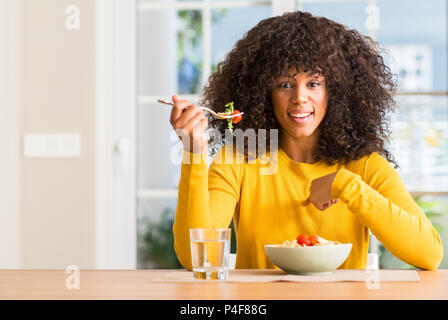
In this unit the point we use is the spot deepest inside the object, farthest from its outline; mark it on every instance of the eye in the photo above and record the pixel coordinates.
(314, 84)
(285, 85)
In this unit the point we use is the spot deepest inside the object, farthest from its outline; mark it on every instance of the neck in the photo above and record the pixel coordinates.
(299, 149)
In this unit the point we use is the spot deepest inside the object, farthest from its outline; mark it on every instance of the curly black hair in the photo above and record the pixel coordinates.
(360, 85)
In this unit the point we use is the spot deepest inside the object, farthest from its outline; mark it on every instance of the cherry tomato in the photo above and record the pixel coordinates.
(237, 119)
(313, 239)
(303, 240)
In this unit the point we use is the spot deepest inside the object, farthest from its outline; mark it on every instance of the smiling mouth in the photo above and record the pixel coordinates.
(300, 118)
(300, 115)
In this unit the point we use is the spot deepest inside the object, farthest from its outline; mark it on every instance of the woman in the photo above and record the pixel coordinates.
(327, 91)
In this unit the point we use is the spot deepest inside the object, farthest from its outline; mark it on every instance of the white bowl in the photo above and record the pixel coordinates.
(308, 260)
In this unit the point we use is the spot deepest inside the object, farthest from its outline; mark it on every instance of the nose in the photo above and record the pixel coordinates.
(303, 99)
(301, 95)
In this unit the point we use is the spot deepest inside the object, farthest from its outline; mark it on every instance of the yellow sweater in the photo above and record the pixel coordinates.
(268, 209)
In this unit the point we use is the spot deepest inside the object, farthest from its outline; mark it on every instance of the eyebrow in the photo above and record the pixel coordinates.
(309, 73)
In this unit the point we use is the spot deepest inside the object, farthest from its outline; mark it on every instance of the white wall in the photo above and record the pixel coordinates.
(57, 90)
(59, 211)
(9, 136)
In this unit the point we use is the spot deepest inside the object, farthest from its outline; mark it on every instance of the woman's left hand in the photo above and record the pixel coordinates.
(320, 192)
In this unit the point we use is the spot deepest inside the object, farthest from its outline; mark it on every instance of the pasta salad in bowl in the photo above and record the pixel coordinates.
(308, 255)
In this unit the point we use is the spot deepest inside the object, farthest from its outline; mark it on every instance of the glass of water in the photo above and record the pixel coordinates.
(210, 250)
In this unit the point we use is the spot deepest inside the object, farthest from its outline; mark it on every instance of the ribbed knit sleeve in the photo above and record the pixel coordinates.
(381, 202)
(206, 198)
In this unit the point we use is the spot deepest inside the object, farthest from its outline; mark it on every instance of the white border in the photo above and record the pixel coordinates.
(116, 217)
(10, 241)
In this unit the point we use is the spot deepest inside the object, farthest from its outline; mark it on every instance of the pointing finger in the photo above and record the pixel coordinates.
(306, 202)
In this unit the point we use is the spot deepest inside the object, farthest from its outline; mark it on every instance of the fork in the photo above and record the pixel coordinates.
(213, 113)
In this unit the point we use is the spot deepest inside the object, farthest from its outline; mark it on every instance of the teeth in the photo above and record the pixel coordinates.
(299, 115)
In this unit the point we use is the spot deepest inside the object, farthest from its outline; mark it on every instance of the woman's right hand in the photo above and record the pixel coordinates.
(190, 123)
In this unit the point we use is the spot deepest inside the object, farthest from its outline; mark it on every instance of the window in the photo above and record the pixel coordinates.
(180, 42)
(415, 48)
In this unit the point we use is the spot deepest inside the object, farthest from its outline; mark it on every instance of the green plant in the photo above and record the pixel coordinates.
(189, 39)
(233, 239)
(156, 247)
(430, 210)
